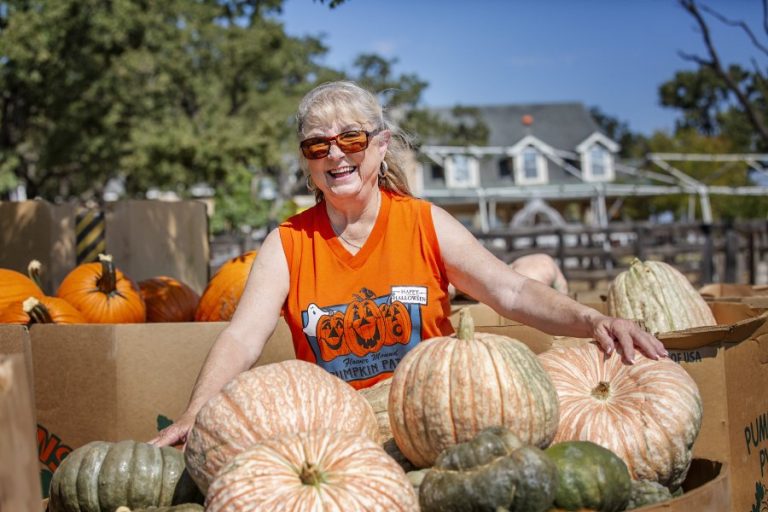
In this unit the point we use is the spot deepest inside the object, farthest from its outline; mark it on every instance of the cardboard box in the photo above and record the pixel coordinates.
(18, 471)
(38, 230)
(729, 363)
(717, 290)
(14, 339)
(145, 238)
(706, 489)
(119, 381)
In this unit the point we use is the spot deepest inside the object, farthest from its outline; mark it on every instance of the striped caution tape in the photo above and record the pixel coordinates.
(89, 235)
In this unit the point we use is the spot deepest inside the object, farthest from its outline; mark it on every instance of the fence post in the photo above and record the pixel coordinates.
(706, 263)
(731, 253)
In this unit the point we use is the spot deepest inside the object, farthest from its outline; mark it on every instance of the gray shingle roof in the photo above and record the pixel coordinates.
(560, 125)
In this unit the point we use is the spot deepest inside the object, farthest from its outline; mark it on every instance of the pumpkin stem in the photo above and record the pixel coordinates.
(107, 283)
(466, 329)
(38, 313)
(602, 391)
(310, 474)
(33, 271)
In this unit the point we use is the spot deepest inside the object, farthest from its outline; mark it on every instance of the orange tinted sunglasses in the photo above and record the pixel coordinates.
(350, 141)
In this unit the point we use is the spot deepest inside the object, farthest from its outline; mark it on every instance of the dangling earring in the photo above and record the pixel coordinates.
(310, 185)
(383, 168)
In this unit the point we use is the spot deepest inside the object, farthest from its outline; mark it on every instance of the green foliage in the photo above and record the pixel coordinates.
(155, 94)
(706, 104)
(730, 174)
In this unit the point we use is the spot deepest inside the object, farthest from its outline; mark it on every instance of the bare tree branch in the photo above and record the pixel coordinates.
(714, 62)
(742, 25)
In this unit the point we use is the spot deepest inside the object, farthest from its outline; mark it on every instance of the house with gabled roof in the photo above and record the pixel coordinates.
(536, 154)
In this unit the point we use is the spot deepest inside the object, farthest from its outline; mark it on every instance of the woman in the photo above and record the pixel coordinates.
(363, 276)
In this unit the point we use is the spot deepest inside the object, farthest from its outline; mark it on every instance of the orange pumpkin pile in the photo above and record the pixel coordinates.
(97, 292)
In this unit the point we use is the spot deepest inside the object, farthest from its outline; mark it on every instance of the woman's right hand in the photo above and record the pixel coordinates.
(175, 434)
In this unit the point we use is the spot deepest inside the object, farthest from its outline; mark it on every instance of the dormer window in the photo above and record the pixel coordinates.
(597, 155)
(530, 167)
(462, 171)
(597, 164)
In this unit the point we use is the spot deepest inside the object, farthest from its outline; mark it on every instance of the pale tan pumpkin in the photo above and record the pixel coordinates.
(447, 389)
(271, 400)
(648, 413)
(312, 471)
(660, 296)
(378, 396)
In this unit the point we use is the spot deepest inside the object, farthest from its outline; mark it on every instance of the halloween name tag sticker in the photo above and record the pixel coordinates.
(409, 294)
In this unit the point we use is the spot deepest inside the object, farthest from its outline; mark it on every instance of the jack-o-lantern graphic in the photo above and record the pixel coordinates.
(363, 325)
(330, 336)
(397, 323)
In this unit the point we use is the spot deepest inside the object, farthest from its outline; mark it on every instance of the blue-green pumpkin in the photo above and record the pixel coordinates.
(589, 477)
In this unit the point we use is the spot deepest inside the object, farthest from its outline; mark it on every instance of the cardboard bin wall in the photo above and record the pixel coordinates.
(119, 381)
(729, 363)
(145, 238)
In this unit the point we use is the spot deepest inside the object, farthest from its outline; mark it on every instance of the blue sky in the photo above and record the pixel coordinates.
(607, 53)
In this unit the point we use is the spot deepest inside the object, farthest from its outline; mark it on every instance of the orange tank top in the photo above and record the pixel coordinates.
(358, 315)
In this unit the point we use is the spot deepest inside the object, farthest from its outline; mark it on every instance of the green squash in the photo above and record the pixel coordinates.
(102, 476)
(589, 477)
(494, 472)
(646, 492)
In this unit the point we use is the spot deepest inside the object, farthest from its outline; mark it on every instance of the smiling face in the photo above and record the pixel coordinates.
(334, 108)
(341, 174)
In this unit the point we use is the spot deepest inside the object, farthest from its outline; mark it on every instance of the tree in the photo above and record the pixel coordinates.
(722, 98)
(151, 94)
(632, 145)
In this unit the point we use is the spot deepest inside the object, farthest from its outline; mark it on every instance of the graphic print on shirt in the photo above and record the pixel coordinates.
(367, 336)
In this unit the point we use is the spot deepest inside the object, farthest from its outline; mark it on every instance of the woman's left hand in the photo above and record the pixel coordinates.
(625, 335)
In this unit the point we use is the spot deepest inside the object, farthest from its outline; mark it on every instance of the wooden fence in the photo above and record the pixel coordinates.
(591, 256)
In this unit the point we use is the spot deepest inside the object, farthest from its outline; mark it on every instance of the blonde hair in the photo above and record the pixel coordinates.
(332, 100)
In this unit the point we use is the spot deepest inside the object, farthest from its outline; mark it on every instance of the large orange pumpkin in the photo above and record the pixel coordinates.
(16, 287)
(46, 310)
(268, 401)
(220, 297)
(102, 293)
(449, 388)
(364, 325)
(168, 300)
(648, 413)
(319, 470)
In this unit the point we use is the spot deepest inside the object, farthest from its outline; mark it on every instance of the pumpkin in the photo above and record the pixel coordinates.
(644, 492)
(168, 300)
(46, 310)
(102, 476)
(185, 507)
(267, 401)
(448, 388)
(660, 296)
(102, 293)
(16, 287)
(589, 477)
(363, 325)
(493, 471)
(317, 470)
(330, 336)
(397, 323)
(648, 413)
(378, 396)
(221, 295)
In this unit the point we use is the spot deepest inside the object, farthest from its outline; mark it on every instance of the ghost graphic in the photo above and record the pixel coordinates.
(313, 315)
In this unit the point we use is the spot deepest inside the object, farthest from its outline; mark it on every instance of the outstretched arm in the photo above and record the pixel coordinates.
(474, 269)
(239, 345)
